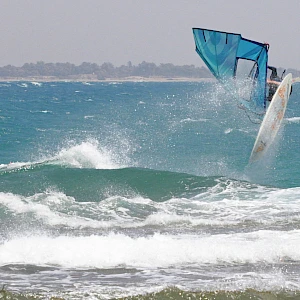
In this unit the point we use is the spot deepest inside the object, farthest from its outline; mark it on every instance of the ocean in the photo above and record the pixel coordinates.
(144, 190)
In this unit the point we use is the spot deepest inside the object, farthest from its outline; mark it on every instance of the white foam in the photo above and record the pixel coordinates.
(189, 120)
(23, 85)
(115, 250)
(228, 130)
(54, 208)
(88, 155)
(221, 206)
(292, 120)
(22, 205)
(36, 83)
(15, 165)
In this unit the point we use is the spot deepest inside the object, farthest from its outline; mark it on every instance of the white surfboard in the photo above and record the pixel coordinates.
(272, 120)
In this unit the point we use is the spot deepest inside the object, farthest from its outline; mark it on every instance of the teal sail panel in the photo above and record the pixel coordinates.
(222, 52)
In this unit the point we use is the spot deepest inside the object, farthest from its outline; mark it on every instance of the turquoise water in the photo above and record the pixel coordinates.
(110, 190)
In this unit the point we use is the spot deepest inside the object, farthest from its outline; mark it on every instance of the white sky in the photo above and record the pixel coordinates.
(158, 31)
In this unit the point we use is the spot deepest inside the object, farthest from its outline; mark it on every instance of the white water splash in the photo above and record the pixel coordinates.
(158, 250)
(88, 155)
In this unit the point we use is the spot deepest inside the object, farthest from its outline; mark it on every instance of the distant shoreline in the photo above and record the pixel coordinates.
(91, 79)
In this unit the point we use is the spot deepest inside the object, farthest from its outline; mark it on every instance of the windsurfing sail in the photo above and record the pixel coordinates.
(222, 52)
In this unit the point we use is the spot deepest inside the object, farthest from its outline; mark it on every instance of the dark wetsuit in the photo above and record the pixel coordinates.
(273, 86)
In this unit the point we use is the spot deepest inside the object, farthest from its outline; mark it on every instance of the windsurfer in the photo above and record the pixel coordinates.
(273, 82)
(274, 76)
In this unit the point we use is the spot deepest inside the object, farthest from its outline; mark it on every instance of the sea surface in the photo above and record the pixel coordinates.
(144, 190)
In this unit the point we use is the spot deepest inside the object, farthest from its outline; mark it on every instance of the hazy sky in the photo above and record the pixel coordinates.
(158, 31)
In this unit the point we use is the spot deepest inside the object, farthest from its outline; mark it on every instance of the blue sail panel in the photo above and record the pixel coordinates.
(218, 50)
(222, 51)
(258, 53)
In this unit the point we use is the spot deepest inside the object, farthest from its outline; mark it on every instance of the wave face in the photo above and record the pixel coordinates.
(143, 190)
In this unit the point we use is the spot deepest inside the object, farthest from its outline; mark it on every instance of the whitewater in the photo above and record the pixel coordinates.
(110, 190)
